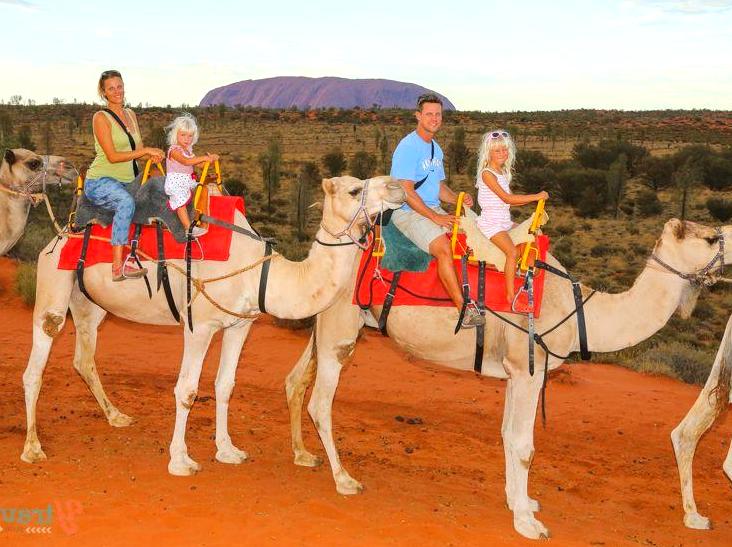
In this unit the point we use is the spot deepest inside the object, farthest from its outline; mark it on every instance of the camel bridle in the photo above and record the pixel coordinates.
(40, 174)
(362, 241)
(705, 277)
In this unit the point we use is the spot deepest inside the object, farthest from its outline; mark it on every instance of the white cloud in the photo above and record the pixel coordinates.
(688, 7)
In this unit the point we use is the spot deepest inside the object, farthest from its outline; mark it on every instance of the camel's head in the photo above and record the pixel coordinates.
(27, 172)
(695, 253)
(351, 204)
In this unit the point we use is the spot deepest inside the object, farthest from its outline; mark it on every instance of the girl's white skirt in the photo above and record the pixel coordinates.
(178, 187)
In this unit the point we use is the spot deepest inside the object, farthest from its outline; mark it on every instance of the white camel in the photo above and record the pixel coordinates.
(23, 173)
(713, 399)
(294, 290)
(614, 321)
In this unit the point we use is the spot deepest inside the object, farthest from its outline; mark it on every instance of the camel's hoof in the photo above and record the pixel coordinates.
(306, 459)
(33, 454)
(531, 528)
(231, 454)
(347, 485)
(184, 468)
(120, 420)
(697, 522)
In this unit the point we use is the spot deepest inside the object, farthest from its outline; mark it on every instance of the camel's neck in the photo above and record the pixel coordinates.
(302, 289)
(13, 217)
(617, 321)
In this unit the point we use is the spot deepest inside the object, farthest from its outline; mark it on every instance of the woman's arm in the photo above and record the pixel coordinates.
(178, 156)
(490, 180)
(103, 133)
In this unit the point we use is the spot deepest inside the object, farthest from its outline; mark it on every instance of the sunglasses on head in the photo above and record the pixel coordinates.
(111, 74)
(498, 135)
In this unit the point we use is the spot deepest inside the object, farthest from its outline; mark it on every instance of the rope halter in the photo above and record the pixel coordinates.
(361, 242)
(704, 277)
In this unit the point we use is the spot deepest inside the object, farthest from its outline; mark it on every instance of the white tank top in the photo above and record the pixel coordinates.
(493, 210)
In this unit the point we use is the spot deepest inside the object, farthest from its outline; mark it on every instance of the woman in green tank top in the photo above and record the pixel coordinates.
(114, 167)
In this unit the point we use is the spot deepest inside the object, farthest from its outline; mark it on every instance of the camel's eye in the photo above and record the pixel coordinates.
(34, 165)
(355, 192)
(712, 240)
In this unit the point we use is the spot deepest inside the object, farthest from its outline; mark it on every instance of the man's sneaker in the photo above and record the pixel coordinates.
(472, 318)
(127, 271)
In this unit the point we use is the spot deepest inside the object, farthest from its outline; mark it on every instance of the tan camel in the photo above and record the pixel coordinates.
(294, 290)
(23, 173)
(614, 321)
(713, 399)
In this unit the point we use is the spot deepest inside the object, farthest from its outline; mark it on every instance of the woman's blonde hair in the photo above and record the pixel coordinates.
(106, 75)
(186, 122)
(490, 141)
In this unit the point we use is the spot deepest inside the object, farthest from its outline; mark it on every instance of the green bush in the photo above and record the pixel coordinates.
(647, 203)
(563, 252)
(678, 360)
(719, 208)
(601, 250)
(25, 282)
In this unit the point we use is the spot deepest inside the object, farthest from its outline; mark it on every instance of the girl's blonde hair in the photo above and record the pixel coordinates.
(186, 122)
(490, 141)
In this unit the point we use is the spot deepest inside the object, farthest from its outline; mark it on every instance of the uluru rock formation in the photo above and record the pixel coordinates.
(302, 92)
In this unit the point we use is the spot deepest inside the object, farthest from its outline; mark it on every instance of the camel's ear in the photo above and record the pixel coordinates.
(677, 227)
(9, 156)
(329, 186)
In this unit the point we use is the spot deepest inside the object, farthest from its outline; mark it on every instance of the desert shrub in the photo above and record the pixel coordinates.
(25, 282)
(36, 237)
(564, 253)
(530, 159)
(647, 203)
(678, 360)
(362, 165)
(719, 208)
(718, 173)
(564, 229)
(577, 185)
(533, 180)
(657, 173)
(703, 310)
(603, 154)
(601, 250)
(236, 187)
(334, 162)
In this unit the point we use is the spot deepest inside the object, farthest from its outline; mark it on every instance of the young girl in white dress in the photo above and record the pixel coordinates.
(495, 168)
(179, 181)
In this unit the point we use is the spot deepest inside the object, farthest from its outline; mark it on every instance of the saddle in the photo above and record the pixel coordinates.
(151, 203)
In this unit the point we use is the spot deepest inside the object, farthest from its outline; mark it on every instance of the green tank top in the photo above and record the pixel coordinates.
(101, 166)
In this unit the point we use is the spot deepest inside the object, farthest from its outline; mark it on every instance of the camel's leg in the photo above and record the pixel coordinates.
(336, 331)
(518, 443)
(87, 317)
(713, 398)
(53, 290)
(195, 346)
(231, 345)
(297, 383)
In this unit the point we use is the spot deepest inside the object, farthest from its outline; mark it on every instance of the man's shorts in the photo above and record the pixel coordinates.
(421, 230)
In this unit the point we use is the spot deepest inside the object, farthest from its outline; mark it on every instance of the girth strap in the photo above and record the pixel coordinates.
(466, 291)
(388, 301)
(133, 255)
(189, 302)
(229, 226)
(263, 277)
(163, 278)
(81, 261)
(529, 286)
(480, 329)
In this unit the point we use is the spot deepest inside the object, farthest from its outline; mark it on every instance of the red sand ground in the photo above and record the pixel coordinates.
(604, 469)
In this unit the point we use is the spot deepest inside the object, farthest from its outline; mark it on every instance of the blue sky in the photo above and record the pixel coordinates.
(489, 55)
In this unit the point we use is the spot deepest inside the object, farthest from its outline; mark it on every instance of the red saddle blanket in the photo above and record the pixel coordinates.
(214, 244)
(419, 288)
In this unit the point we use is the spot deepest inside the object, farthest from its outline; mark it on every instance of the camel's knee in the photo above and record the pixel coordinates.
(52, 323)
(186, 396)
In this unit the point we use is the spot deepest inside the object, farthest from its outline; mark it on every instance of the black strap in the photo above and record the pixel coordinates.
(466, 291)
(263, 277)
(189, 303)
(529, 286)
(229, 226)
(480, 329)
(133, 254)
(388, 301)
(135, 168)
(81, 261)
(163, 278)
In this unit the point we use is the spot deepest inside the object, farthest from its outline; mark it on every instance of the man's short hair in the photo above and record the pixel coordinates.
(427, 98)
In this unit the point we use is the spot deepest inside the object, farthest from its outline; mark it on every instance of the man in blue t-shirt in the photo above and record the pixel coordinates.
(417, 164)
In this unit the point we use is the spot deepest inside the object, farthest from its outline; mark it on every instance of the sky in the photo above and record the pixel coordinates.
(490, 55)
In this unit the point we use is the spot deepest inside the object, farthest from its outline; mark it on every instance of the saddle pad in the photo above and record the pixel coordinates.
(424, 286)
(214, 244)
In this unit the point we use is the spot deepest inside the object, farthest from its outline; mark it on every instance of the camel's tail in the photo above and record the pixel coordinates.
(720, 395)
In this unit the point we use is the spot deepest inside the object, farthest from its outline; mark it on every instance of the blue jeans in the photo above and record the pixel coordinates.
(110, 193)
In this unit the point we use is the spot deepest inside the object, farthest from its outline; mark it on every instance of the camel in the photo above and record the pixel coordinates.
(713, 399)
(295, 290)
(22, 173)
(614, 321)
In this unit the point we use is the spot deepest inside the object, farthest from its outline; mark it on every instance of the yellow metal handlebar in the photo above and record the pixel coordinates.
(530, 247)
(455, 226)
(146, 172)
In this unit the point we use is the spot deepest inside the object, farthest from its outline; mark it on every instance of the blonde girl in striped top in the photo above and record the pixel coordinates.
(495, 168)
